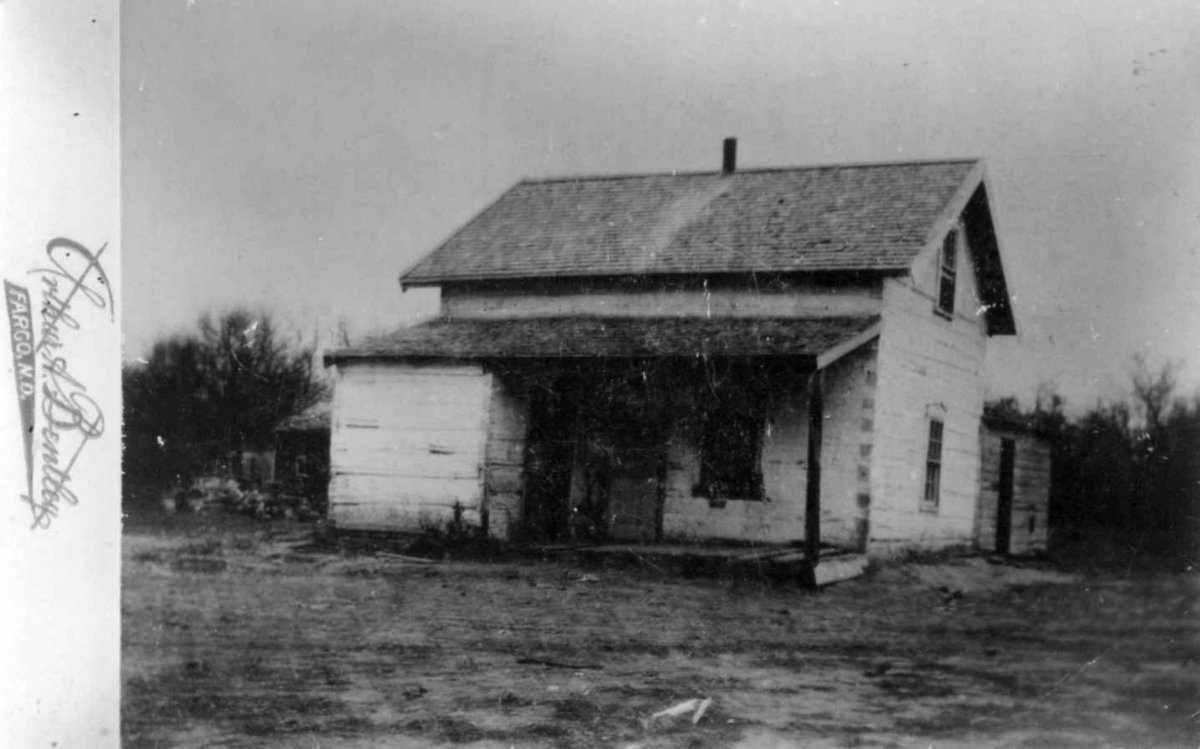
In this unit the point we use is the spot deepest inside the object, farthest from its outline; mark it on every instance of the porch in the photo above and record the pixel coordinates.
(614, 431)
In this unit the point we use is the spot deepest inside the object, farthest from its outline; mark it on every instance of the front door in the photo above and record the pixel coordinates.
(625, 451)
(1004, 504)
(634, 493)
(549, 454)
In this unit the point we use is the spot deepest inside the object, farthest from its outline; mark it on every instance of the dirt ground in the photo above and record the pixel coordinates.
(247, 635)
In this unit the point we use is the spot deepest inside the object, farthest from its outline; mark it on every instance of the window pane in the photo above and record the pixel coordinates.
(949, 251)
(933, 463)
(733, 420)
(933, 478)
(946, 294)
(935, 441)
(946, 277)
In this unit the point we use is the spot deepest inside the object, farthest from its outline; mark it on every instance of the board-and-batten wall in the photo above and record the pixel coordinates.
(930, 367)
(407, 445)
(1030, 526)
(504, 474)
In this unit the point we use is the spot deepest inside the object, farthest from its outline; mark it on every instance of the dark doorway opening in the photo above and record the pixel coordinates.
(549, 458)
(624, 444)
(1004, 504)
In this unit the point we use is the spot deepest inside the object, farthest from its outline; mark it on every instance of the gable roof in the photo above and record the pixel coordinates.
(861, 217)
(818, 340)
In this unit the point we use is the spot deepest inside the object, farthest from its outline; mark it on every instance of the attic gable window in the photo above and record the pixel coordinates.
(933, 466)
(947, 271)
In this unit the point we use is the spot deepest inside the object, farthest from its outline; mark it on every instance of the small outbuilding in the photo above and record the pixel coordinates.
(302, 456)
(1013, 516)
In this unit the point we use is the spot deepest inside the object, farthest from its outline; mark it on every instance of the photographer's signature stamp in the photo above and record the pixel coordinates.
(56, 411)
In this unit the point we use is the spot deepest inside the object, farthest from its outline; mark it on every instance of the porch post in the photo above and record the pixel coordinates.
(812, 504)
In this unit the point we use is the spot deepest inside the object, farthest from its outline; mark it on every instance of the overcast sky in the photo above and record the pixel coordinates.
(299, 155)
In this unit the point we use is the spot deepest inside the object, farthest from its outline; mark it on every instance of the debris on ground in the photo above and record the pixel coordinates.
(949, 595)
(403, 558)
(696, 706)
(559, 664)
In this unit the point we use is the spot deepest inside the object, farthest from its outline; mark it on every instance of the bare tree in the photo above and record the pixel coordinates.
(221, 390)
(1153, 392)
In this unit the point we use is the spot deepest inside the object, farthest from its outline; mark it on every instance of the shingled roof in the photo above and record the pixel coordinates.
(867, 217)
(631, 337)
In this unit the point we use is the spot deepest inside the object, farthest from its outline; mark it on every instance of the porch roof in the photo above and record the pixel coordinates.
(820, 340)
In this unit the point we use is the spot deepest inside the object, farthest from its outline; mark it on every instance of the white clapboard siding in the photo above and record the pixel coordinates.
(392, 516)
(354, 489)
(929, 366)
(407, 444)
(780, 516)
(849, 388)
(433, 444)
(799, 300)
(437, 416)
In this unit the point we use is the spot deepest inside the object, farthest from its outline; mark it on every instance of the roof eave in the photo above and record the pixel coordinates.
(404, 274)
(819, 166)
(898, 269)
(807, 361)
(993, 286)
(812, 342)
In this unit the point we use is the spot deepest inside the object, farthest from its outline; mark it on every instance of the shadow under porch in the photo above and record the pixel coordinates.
(679, 450)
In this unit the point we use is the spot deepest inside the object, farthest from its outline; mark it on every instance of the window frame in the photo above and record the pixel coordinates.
(947, 274)
(931, 497)
(723, 407)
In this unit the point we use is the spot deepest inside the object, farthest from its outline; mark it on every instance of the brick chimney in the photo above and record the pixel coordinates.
(729, 163)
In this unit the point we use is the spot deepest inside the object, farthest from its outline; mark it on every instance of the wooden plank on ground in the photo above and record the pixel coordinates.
(765, 553)
(837, 569)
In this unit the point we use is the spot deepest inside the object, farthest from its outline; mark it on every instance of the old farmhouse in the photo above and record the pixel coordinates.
(768, 355)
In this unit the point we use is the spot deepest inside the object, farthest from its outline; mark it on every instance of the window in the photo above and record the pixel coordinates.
(933, 464)
(947, 269)
(731, 444)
